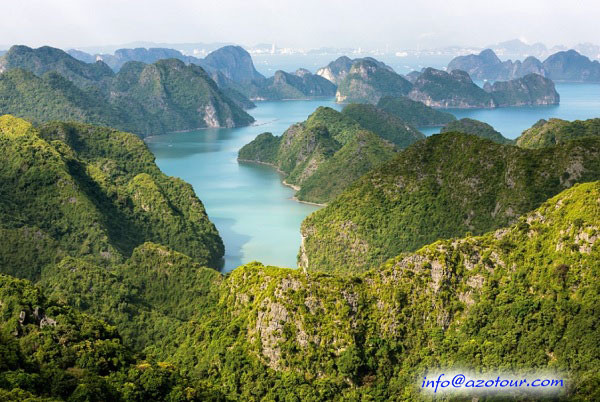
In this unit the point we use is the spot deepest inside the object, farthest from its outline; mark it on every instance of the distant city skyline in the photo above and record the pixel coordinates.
(307, 24)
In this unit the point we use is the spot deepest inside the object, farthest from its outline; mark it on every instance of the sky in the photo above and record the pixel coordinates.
(299, 23)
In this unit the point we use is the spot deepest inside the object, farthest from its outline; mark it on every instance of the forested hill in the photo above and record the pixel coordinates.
(445, 186)
(323, 155)
(48, 84)
(46, 59)
(414, 112)
(77, 190)
(531, 289)
(123, 308)
(80, 209)
(556, 131)
(476, 127)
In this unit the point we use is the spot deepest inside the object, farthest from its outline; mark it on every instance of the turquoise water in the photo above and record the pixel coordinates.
(577, 101)
(253, 211)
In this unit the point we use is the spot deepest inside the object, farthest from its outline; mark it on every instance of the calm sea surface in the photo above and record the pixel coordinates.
(254, 212)
(577, 101)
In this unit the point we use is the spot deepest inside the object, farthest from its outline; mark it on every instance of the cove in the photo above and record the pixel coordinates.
(254, 213)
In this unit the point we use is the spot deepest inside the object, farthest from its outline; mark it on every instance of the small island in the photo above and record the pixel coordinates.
(323, 155)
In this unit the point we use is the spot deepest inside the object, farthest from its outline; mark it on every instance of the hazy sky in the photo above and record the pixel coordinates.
(299, 23)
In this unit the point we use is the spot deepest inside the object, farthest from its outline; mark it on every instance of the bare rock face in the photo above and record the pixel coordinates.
(269, 325)
(337, 70)
(36, 318)
(210, 116)
(47, 321)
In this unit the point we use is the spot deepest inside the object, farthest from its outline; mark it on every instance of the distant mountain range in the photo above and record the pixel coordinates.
(367, 81)
(153, 90)
(518, 49)
(561, 66)
(140, 89)
(514, 48)
(197, 49)
(232, 68)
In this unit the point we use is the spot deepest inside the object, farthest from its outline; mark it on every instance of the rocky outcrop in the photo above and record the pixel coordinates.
(338, 69)
(569, 66)
(487, 66)
(298, 85)
(441, 89)
(531, 90)
(175, 95)
(572, 66)
(324, 154)
(147, 99)
(437, 88)
(47, 59)
(368, 81)
(234, 62)
(37, 318)
(412, 76)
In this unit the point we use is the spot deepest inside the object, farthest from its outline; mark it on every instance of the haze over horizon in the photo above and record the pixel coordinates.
(307, 24)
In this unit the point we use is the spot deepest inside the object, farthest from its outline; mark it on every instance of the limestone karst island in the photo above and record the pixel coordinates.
(290, 202)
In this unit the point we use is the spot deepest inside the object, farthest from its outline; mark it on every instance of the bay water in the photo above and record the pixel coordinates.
(255, 213)
(578, 101)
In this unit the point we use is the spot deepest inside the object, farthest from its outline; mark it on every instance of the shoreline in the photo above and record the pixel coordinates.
(285, 183)
(308, 202)
(293, 186)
